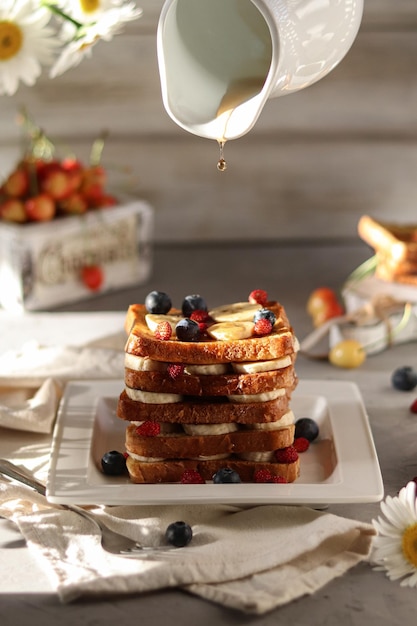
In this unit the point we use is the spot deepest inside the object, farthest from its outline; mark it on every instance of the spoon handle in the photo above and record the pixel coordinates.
(12, 471)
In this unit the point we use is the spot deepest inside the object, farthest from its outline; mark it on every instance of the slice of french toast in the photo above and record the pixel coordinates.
(280, 342)
(193, 446)
(203, 410)
(211, 385)
(172, 471)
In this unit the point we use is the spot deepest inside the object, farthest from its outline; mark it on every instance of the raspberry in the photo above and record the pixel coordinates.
(279, 479)
(258, 296)
(199, 315)
(301, 444)
(148, 429)
(163, 331)
(92, 276)
(175, 369)
(286, 455)
(263, 476)
(192, 477)
(413, 407)
(262, 327)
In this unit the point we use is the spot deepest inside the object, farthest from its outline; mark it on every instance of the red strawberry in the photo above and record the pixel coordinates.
(279, 479)
(286, 455)
(301, 444)
(192, 477)
(413, 407)
(148, 429)
(262, 327)
(92, 276)
(263, 476)
(199, 315)
(175, 369)
(40, 208)
(163, 331)
(13, 210)
(258, 296)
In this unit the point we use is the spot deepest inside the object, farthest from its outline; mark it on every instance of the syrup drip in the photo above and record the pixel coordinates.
(237, 93)
(221, 163)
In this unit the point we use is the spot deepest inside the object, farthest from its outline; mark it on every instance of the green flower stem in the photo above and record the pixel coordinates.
(365, 269)
(53, 8)
(97, 148)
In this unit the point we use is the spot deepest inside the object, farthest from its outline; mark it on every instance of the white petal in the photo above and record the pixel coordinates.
(411, 581)
(408, 496)
(396, 512)
(385, 528)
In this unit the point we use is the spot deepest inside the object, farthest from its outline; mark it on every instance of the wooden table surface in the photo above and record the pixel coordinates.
(289, 272)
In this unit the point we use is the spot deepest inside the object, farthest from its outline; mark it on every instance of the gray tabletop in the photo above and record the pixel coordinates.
(289, 272)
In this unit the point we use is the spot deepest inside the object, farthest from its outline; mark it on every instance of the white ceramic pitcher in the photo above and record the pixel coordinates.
(220, 60)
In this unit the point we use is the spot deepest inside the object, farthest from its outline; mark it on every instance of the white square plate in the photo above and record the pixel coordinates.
(340, 466)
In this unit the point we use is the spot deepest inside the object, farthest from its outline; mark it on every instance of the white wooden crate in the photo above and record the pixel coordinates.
(40, 263)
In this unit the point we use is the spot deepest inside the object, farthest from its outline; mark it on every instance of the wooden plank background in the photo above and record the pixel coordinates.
(314, 163)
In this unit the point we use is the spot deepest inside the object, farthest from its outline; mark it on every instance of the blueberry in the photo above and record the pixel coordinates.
(179, 534)
(158, 302)
(187, 330)
(193, 303)
(306, 427)
(113, 463)
(226, 475)
(404, 378)
(265, 313)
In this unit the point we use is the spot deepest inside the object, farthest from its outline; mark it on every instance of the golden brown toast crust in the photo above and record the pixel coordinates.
(395, 246)
(202, 412)
(172, 471)
(142, 342)
(191, 446)
(211, 385)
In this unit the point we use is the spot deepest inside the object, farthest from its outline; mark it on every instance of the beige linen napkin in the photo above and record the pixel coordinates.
(250, 559)
(32, 378)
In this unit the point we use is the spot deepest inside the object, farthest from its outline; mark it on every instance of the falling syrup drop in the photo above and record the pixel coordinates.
(221, 163)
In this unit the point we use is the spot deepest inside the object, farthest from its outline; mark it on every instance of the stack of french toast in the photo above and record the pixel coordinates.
(209, 390)
(395, 248)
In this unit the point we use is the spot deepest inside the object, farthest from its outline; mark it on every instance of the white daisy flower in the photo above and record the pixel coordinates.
(109, 23)
(395, 546)
(26, 43)
(87, 11)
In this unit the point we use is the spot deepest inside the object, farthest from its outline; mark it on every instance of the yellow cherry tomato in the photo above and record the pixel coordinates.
(348, 353)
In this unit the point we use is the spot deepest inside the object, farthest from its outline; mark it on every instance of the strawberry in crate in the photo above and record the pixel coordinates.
(42, 187)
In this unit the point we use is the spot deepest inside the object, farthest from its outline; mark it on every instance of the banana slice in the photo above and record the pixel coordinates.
(252, 367)
(265, 396)
(231, 331)
(212, 457)
(262, 457)
(152, 321)
(206, 370)
(152, 397)
(209, 429)
(143, 364)
(237, 312)
(285, 420)
(146, 459)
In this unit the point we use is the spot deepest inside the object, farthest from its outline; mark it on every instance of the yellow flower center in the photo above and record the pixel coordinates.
(11, 39)
(409, 544)
(89, 6)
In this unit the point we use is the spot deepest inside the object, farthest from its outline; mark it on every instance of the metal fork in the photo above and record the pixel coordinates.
(111, 541)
